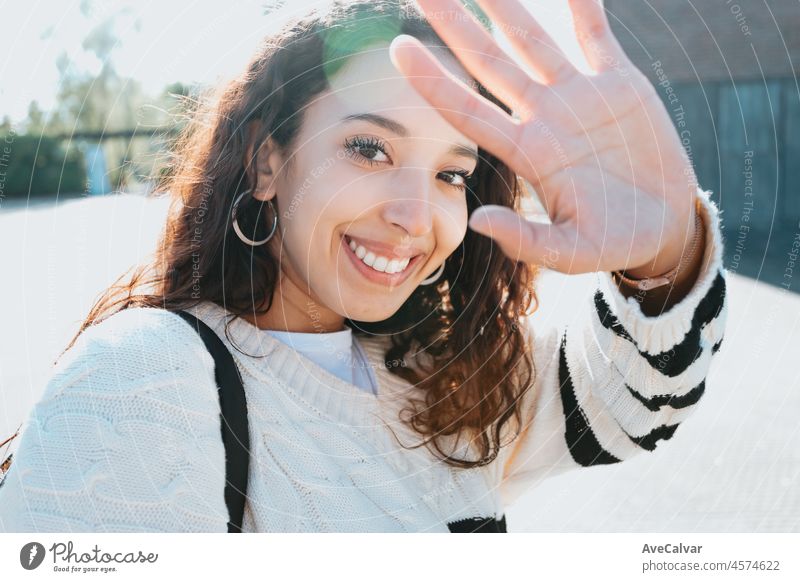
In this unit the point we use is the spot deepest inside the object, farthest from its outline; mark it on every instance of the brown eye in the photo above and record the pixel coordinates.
(367, 149)
(456, 178)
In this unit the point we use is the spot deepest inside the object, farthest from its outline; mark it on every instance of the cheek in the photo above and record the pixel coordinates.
(454, 222)
(349, 194)
(313, 210)
(335, 190)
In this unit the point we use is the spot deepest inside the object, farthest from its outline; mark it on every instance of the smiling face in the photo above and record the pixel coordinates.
(376, 183)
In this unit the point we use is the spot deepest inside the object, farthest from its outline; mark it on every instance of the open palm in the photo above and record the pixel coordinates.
(599, 149)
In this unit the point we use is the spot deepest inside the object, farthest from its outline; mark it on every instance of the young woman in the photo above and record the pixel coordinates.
(353, 234)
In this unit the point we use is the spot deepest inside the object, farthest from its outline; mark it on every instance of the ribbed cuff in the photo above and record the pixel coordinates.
(655, 334)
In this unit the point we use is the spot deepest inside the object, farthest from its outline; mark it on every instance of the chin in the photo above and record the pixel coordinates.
(375, 313)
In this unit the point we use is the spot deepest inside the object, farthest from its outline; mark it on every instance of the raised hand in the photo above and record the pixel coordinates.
(599, 149)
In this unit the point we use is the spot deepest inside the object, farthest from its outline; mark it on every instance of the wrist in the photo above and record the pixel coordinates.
(672, 265)
(666, 260)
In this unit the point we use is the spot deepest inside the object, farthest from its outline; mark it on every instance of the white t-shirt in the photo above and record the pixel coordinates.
(335, 351)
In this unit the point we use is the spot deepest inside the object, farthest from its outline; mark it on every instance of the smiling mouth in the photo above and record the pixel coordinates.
(380, 268)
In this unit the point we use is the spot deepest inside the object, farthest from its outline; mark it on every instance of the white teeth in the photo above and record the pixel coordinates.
(381, 264)
(394, 266)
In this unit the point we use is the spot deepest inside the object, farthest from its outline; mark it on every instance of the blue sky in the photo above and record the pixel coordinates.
(159, 41)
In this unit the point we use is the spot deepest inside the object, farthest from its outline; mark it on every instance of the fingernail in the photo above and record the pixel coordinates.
(399, 43)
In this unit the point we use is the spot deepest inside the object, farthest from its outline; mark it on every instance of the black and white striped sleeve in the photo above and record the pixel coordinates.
(616, 382)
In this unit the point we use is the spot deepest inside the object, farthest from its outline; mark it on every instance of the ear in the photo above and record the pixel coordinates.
(266, 164)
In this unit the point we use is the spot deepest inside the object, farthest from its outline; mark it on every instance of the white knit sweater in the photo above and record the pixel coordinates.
(126, 437)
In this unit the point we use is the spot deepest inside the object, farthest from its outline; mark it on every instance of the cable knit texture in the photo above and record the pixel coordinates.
(126, 437)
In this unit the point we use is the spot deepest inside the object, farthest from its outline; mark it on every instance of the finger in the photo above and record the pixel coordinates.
(549, 245)
(470, 113)
(526, 35)
(480, 54)
(597, 40)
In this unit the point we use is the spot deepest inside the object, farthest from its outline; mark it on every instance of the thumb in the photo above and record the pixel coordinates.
(519, 238)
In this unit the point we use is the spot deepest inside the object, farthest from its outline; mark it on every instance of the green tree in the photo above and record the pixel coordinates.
(35, 122)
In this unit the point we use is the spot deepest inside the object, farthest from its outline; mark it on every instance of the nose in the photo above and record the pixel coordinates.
(411, 207)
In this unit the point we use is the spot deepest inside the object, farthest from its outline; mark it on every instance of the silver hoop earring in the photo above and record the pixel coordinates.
(435, 277)
(240, 234)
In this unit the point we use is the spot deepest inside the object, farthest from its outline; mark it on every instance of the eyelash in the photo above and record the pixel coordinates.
(351, 145)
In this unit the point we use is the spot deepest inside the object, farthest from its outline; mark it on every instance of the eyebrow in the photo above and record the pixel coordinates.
(402, 131)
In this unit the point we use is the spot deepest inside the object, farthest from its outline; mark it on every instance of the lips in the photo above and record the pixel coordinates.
(383, 278)
(380, 249)
(383, 262)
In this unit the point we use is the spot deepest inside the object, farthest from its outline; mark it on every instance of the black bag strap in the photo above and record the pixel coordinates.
(233, 406)
(479, 525)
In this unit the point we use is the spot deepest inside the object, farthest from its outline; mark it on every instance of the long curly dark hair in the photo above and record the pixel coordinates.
(474, 363)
